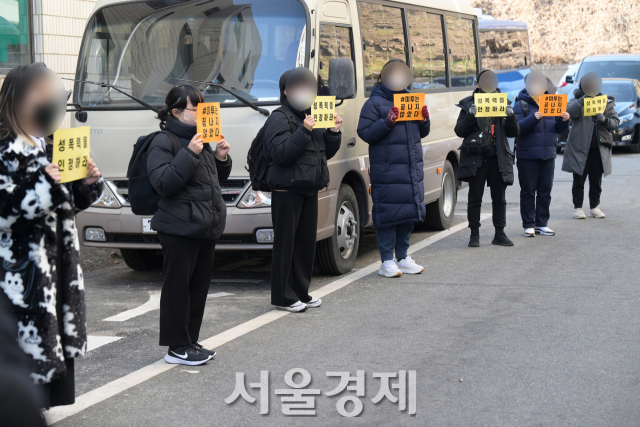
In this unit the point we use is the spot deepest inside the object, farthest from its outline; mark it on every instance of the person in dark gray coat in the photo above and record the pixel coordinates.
(190, 218)
(588, 149)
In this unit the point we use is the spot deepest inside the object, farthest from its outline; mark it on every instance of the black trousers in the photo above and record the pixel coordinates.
(536, 182)
(594, 170)
(488, 173)
(295, 224)
(188, 264)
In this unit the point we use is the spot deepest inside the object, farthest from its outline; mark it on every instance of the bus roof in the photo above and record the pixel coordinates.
(494, 24)
(461, 6)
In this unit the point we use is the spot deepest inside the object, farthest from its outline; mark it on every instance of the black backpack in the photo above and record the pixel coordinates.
(258, 164)
(142, 196)
(478, 142)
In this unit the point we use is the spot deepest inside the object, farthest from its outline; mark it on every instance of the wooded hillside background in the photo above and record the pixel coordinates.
(567, 31)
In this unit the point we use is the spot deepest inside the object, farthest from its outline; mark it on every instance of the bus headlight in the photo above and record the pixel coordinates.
(107, 199)
(255, 199)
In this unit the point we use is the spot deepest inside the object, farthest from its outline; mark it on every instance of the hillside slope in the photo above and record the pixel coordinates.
(567, 31)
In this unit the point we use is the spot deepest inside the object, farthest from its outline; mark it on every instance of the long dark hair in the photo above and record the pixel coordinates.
(11, 97)
(177, 98)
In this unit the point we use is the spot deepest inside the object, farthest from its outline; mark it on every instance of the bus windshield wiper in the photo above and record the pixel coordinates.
(117, 88)
(262, 111)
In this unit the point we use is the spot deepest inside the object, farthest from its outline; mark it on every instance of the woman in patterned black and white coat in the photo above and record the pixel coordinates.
(40, 272)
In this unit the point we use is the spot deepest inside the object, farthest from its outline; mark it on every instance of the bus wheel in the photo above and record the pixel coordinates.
(337, 254)
(141, 259)
(440, 213)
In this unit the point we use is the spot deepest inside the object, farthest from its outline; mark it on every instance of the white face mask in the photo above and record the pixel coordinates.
(301, 99)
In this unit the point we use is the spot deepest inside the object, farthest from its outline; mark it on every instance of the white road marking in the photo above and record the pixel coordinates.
(95, 341)
(108, 390)
(191, 372)
(218, 295)
(152, 304)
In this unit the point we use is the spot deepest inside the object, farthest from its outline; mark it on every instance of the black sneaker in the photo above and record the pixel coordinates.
(198, 347)
(474, 240)
(501, 239)
(186, 355)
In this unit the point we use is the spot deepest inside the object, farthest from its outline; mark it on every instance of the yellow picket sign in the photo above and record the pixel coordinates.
(553, 104)
(595, 105)
(410, 106)
(71, 152)
(208, 121)
(323, 110)
(490, 104)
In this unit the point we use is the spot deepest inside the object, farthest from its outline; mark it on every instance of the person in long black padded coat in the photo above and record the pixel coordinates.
(191, 217)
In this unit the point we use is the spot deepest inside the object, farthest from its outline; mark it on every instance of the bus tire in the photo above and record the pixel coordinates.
(337, 254)
(141, 259)
(440, 213)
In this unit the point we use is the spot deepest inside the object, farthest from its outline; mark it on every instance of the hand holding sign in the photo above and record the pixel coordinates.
(71, 153)
(208, 120)
(490, 104)
(93, 173)
(595, 105)
(553, 105)
(409, 106)
(323, 111)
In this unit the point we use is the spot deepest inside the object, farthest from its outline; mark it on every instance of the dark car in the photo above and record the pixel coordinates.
(627, 94)
(610, 66)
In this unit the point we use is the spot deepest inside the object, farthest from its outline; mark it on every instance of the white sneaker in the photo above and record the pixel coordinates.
(296, 307)
(314, 302)
(389, 269)
(596, 213)
(529, 232)
(409, 266)
(579, 214)
(545, 231)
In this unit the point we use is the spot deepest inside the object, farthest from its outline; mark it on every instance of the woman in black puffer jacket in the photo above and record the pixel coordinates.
(299, 169)
(191, 216)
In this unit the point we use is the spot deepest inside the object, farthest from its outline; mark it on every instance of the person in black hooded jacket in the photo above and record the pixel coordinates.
(298, 171)
(495, 168)
(190, 218)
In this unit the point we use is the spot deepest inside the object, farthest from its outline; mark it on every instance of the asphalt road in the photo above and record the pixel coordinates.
(546, 333)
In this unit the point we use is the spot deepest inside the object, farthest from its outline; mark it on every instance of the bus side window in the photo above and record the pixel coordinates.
(383, 39)
(427, 50)
(335, 42)
(463, 57)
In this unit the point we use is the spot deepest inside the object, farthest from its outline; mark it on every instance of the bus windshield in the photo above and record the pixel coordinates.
(504, 49)
(150, 46)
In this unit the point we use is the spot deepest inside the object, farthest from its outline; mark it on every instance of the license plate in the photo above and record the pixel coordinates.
(146, 226)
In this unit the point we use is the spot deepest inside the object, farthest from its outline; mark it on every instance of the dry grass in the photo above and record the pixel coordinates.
(567, 31)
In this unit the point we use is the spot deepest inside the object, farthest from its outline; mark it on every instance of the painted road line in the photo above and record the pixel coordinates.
(218, 295)
(152, 304)
(103, 393)
(95, 341)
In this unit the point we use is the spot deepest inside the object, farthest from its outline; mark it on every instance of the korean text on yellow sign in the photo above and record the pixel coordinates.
(208, 120)
(490, 104)
(553, 104)
(595, 105)
(323, 110)
(71, 152)
(410, 106)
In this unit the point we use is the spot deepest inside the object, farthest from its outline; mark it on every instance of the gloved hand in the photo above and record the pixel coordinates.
(509, 111)
(472, 109)
(425, 113)
(600, 118)
(394, 112)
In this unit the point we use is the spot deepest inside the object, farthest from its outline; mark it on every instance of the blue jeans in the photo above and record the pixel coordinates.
(536, 181)
(396, 237)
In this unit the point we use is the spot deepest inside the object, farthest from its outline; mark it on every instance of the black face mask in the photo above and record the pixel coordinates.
(46, 116)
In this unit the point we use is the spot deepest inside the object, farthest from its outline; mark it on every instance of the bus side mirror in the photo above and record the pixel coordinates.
(569, 79)
(342, 78)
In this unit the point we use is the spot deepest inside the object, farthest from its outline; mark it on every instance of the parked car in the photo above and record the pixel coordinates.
(611, 66)
(627, 94)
